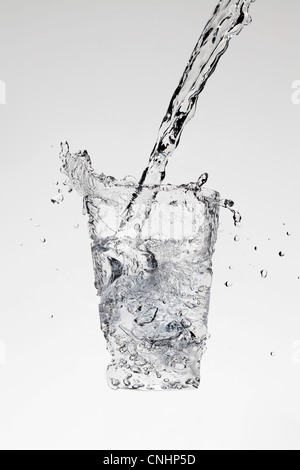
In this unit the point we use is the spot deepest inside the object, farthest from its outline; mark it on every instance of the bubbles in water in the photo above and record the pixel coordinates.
(281, 254)
(255, 248)
(55, 183)
(115, 382)
(230, 267)
(272, 354)
(228, 284)
(51, 316)
(288, 234)
(43, 240)
(236, 238)
(186, 323)
(137, 227)
(264, 273)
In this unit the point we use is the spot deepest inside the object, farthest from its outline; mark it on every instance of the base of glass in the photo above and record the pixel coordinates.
(120, 379)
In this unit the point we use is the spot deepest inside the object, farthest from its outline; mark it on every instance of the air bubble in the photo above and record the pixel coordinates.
(281, 254)
(236, 238)
(186, 323)
(43, 240)
(115, 382)
(288, 234)
(264, 273)
(76, 226)
(228, 284)
(137, 227)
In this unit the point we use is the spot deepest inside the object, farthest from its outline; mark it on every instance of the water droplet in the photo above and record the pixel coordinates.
(202, 179)
(76, 226)
(126, 382)
(255, 248)
(115, 382)
(230, 267)
(272, 354)
(43, 240)
(237, 218)
(281, 254)
(137, 227)
(135, 386)
(228, 284)
(136, 369)
(236, 238)
(264, 274)
(55, 183)
(51, 316)
(288, 234)
(57, 199)
(228, 204)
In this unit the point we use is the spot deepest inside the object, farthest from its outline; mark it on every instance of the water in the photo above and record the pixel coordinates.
(227, 21)
(155, 322)
(264, 274)
(152, 245)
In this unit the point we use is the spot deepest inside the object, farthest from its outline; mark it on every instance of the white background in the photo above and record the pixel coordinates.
(100, 74)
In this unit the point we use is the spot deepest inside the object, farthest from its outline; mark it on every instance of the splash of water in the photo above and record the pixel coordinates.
(227, 21)
(148, 286)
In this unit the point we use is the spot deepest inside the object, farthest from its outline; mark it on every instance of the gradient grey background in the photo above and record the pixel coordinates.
(100, 74)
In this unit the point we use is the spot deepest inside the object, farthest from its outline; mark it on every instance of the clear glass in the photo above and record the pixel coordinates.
(153, 276)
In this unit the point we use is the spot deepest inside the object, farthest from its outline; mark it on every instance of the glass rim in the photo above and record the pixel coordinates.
(187, 187)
